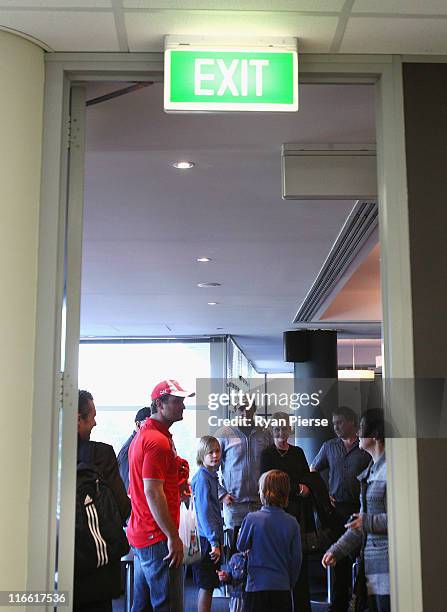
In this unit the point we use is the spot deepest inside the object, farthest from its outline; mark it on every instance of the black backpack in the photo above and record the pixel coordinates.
(99, 537)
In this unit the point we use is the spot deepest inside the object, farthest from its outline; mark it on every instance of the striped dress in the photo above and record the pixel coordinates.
(375, 528)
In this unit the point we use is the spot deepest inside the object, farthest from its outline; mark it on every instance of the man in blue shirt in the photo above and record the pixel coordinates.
(345, 461)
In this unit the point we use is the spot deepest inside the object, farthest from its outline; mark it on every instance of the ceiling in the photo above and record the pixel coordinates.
(322, 26)
(146, 223)
(360, 298)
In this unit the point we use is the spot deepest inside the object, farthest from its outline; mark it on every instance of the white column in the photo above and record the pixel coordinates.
(21, 108)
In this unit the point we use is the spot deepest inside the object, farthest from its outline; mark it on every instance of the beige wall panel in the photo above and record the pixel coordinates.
(21, 104)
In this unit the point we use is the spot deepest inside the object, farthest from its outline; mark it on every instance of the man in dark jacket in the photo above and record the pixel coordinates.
(123, 458)
(94, 592)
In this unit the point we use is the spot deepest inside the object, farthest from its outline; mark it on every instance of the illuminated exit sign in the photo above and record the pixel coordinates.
(231, 80)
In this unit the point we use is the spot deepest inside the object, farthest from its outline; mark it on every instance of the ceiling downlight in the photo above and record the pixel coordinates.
(183, 165)
(208, 285)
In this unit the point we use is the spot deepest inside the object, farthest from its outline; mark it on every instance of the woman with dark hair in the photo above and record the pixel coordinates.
(290, 459)
(368, 528)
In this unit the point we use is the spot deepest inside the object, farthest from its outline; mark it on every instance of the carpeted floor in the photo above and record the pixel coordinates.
(317, 583)
(220, 604)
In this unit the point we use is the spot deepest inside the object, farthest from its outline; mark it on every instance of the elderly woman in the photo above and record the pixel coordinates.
(282, 455)
(368, 528)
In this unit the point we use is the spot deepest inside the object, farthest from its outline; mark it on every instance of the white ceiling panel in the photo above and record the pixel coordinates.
(104, 330)
(146, 31)
(55, 4)
(251, 316)
(403, 7)
(146, 222)
(374, 26)
(239, 262)
(239, 5)
(66, 31)
(384, 35)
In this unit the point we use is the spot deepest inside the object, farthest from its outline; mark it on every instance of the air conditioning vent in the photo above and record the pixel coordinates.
(359, 232)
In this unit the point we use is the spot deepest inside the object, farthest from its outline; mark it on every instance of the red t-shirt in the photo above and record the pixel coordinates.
(152, 454)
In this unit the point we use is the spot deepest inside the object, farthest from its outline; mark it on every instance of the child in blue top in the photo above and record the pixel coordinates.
(272, 539)
(235, 574)
(204, 487)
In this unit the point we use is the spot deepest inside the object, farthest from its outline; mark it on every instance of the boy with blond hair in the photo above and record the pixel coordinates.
(205, 490)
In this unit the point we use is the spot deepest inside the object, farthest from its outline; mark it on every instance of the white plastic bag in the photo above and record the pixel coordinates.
(189, 533)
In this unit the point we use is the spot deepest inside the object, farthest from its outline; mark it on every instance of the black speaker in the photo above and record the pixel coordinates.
(297, 345)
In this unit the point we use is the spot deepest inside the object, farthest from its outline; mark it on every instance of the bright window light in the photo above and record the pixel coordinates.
(355, 374)
(122, 376)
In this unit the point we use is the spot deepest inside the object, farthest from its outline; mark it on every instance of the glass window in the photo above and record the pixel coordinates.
(121, 376)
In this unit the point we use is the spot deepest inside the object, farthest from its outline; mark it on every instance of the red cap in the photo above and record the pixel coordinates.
(169, 387)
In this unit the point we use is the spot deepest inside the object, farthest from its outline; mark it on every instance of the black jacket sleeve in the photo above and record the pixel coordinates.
(266, 460)
(105, 460)
(304, 464)
(123, 461)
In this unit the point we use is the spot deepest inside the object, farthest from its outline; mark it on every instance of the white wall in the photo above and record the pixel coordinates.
(21, 105)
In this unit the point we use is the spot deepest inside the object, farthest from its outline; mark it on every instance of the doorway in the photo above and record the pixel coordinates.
(388, 184)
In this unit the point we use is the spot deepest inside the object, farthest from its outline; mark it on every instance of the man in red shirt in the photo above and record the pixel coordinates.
(155, 495)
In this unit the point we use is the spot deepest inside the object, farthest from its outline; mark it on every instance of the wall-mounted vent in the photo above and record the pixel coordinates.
(358, 235)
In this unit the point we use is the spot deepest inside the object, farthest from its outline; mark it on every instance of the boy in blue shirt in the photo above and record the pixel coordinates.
(272, 539)
(205, 489)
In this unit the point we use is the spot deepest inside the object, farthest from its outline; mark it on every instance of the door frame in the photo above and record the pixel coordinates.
(55, 401)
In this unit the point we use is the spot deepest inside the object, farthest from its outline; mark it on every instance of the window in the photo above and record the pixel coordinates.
(121, 376)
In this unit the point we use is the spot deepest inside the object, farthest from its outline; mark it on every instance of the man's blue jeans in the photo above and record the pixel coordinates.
(154, 579)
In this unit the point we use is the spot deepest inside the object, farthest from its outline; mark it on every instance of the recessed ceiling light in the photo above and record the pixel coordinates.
(212, 303)
(203, 259)
(183, 165)
(207, 285)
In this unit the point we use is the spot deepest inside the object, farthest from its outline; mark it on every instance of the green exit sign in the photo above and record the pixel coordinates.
(237, 80)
